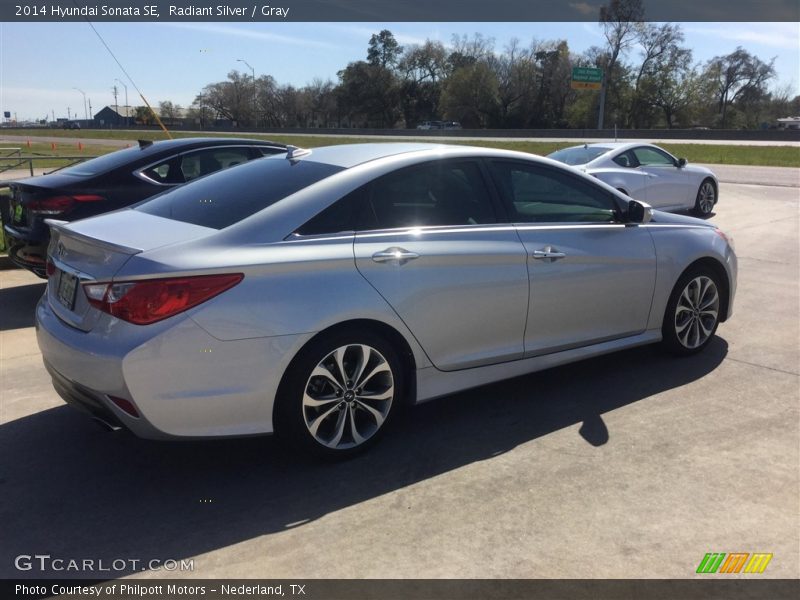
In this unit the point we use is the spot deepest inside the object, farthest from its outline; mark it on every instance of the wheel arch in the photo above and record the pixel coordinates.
(394, 337)
(718, 268)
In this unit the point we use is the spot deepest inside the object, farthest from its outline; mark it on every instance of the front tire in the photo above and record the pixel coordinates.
(692, 313)
(706, 198)
(340, 394)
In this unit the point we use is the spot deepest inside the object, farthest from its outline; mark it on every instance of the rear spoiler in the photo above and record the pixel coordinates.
(61, 228)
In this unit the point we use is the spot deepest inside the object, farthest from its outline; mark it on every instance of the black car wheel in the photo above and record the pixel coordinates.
(693, 312)
(340, 393)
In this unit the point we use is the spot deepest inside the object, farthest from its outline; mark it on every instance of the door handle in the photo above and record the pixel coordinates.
(548, 253)
(394, 254)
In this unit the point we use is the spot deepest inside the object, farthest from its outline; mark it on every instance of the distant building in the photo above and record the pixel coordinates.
(789, 123)
(115, 116)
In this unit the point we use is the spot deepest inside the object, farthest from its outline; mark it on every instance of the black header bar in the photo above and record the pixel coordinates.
(388, 11)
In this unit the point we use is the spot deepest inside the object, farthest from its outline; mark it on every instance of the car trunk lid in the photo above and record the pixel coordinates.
(96, 249)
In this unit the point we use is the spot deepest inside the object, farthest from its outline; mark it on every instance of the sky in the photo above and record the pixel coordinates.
(41, 64)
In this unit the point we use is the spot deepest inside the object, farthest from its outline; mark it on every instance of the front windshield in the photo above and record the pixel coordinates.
(579, 155)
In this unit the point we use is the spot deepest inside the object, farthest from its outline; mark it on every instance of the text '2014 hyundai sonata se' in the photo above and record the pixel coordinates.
(313, 293)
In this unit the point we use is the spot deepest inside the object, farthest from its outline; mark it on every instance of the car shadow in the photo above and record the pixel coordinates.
(18, 305)
(70, 489)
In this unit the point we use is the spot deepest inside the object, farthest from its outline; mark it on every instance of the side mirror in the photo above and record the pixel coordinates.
(681, 162)
(639, 213)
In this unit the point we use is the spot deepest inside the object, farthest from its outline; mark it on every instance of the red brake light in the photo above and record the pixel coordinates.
(51, 206)
(51, 268)
(152, 300)
(54, 205)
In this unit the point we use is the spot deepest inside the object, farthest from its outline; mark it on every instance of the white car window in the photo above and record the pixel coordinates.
(653, 157)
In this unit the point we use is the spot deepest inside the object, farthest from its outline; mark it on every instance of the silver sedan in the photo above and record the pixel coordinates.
(315, 293)
(647, 172)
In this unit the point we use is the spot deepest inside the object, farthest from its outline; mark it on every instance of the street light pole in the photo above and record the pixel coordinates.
(127, 107)
(85, 114)
(253, 71)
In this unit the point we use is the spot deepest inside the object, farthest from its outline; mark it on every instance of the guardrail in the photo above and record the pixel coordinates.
(13, 159)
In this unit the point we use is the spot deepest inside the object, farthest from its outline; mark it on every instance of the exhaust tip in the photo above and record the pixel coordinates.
(105, 424)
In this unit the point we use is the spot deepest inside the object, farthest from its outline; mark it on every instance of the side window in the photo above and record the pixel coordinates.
(341, 216)
(653, 157)
(167, 172)
(627, 159)
(185, 167)
(437, 193)
(203, 162)
(544, 195)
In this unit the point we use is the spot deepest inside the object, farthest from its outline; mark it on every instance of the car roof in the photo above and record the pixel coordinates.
(212, 141)
(614, 145)
(351, 155)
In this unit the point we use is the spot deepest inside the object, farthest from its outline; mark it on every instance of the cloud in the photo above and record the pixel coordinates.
(584, 8)
(249, 33)
(775, 35)
(365, 33)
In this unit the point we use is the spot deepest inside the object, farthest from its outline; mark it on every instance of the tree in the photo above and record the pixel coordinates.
(422, 70)
(231, 99)
(620, 20)
(554, 68)
(321, 101)
(736, 74)
(383, 50)
(662, 68)
(143, 116)
(471, 95)
(169, 112)
(369, 95)
(515, 72)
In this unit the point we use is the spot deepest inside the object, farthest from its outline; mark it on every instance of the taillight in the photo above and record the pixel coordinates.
(55, 205)
(151, 300)
(51, 268)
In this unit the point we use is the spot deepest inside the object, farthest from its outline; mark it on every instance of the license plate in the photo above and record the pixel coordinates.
(16, 212)
(65, 292)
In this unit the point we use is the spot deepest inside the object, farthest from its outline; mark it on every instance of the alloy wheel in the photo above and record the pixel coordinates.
(697, 312)
(706, 197)
(348, 396)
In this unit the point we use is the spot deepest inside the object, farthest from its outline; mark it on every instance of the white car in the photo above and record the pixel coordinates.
(646, 172)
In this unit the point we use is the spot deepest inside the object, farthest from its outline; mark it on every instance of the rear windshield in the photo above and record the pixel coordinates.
(578, 156)
(104, 163)
(226, 197)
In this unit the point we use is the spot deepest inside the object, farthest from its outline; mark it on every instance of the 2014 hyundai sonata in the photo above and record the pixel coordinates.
(313, 293)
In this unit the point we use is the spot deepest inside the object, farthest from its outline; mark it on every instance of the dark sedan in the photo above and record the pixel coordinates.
(110, 182)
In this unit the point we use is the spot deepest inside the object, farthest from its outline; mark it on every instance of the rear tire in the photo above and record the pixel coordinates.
(706, 198)
(339, 394)
(693, 310)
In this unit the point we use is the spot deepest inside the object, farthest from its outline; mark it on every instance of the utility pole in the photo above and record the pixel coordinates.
(602, 102)
(116, 105)
(90, 109)
(253, 71)
(127, 106)
(85, 113)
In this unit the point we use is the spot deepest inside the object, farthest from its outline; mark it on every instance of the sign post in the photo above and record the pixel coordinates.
(590, 78)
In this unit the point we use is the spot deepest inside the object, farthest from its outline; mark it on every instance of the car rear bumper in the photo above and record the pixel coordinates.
(27, 249)
(184, 383)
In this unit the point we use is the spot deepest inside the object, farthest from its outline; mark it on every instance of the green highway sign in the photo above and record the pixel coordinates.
(587, 74)
(586, 78)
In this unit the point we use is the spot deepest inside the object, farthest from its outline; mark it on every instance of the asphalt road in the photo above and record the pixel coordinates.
(632, 465)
